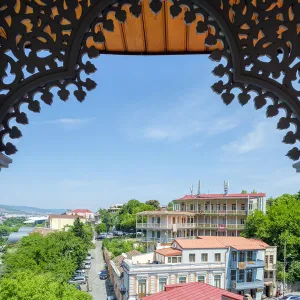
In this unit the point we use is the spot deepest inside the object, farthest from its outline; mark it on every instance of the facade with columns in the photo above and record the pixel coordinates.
(195, 215)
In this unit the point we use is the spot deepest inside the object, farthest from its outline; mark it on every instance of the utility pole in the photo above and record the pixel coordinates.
(284, 264)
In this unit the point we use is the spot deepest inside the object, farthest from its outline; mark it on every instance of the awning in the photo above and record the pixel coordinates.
(268, 283)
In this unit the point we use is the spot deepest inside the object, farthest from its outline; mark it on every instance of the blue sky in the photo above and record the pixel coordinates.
(150, 129)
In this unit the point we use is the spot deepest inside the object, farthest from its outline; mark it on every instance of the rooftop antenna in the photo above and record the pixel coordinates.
(226, 187)
(199, 188)
(191, 190)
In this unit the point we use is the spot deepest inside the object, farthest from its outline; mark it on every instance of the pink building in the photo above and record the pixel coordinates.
(85, 213)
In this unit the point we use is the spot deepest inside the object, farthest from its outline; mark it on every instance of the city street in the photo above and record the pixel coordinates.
(97, 287)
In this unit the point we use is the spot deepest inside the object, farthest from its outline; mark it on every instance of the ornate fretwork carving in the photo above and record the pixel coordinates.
(43, 43)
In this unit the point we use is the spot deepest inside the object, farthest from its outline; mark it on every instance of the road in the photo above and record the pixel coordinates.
(97, 287)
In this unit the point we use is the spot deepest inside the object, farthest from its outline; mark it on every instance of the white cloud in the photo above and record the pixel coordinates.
(70, 123)
(190, 115)
(255, 139)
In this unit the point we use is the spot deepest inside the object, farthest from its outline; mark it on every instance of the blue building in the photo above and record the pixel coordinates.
(245, 268)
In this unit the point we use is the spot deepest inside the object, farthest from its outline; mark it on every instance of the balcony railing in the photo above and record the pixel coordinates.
(270, 266)
(224, 212)
(247, 264)
(165, 226)
(221, 226)
(155, 240)
(247, 285)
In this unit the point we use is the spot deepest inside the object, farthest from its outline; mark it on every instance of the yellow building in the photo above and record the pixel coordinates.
(59, 222)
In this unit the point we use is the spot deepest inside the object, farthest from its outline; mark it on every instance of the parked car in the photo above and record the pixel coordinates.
(291, 297)
(87, 265)
(111, 298)
(103, 275)
(79, 273)
(78, 280)
(89, 257)
(101, 237)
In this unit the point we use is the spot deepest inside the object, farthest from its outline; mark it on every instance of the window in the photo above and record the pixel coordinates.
(153, 220)
(212, 207)
(242, 256)
(271, 259)
(271, 274)
(219, 206)
(206, 206)
(174, 260)
(249, 256)
(233, 206)
(182, 279)
(142, 288)
(162, 283)
(242, 221)
(153, 234)
(199, 207)
(243, 207)
(224, 206)
(204, 257)
(249, 275)
(217, 281)
(201, 278)
(192, 257)
(233, 255)
(179, 259)
(217, 256)
(250, 206)
(233, 275)
(158, 234)
(158, 220)
(192, 206)
(241, 275)
(266, 259)
(169, 260)
(265, 274)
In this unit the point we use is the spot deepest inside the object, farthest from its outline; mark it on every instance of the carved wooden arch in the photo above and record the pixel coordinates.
(260, 41)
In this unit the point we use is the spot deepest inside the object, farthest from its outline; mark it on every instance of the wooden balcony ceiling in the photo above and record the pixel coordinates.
(165, 212)
(152, 33)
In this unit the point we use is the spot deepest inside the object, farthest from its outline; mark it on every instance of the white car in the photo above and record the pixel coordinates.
(89, 257)
(87, 265)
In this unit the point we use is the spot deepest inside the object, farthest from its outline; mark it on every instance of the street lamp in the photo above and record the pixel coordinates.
(123, 290)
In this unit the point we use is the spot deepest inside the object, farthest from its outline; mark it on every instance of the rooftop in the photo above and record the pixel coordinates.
(193, 291)
(168, 252)
(222, 196)
(76, 211)
(165, 212)
(238, 243)
(64, 217)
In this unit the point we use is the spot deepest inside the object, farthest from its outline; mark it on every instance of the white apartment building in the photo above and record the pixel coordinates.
(115, 208)
(203, 214)
(232, 263)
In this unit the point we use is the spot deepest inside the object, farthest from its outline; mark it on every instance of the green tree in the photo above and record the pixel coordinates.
(27, 285)
(154, 203)
(126, 218)
(254, 192)
(78, 229)
(170, 206)
(294, 272)
(100, 228)
(244, 192)
(281, 223)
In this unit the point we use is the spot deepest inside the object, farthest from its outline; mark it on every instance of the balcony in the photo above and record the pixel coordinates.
(170, 226)
(256, 284)
(225, 212)
(146, 239)
(224, 227)
(241, 265)
(270, 266)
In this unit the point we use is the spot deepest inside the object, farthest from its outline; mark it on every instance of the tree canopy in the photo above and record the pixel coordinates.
(280, 223)
(126, 218)
(154, 203)
(27, 285)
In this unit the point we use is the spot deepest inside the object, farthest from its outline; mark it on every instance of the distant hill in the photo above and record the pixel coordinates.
(14, 209)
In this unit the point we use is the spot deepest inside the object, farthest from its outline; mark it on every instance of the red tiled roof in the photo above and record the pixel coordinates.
(209, 242)
(221, 196)
(193, 291)
(168, 252)
(81, 211)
